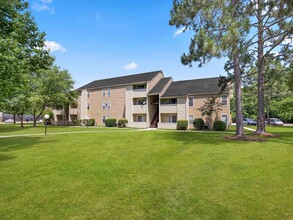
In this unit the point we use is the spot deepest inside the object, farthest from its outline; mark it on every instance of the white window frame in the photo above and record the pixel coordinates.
(224, 99)
(103, 118)
(103, 92)
(104, 105)
(190, 122)
(109, 91)
(109, 105)
(191, 98)
(88, 106)
(226, 122)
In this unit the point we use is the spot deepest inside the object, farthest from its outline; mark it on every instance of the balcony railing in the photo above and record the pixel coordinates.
(139, 109)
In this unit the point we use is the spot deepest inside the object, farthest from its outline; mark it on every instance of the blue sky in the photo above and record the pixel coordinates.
(96, 39)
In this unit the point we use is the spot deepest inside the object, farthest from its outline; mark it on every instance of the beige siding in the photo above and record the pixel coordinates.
(199, 101)
(117, 104)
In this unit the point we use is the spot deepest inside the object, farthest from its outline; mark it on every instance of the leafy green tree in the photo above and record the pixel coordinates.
(21, 47)
(220, 28)
(50, 88)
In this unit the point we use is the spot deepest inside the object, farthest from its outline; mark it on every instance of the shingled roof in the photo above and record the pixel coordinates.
(196, 86)
(160, 85)
(122, 80)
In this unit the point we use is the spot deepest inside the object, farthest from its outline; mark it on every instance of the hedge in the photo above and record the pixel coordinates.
(110, 122)
(198, 123)
(122, 123)
(219, 126)
(182, 124)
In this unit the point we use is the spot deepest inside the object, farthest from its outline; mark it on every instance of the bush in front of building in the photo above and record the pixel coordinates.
(198, 124)
(91, 122)
(122, 123)
(219, 126)
(110, 122)
(182, 124)
(77, 122)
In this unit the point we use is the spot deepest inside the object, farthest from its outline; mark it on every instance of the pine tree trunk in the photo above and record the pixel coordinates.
(238, 95)
(260, 76)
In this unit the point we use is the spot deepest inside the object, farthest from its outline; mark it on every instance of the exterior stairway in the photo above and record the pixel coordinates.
(155, 120)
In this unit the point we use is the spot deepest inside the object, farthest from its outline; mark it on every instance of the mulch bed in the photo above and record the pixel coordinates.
(252, 137)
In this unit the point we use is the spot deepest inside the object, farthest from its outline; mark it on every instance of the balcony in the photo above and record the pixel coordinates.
(168, 108)
(58, 112)
(73, 111)
(137, 93)
(138, 109)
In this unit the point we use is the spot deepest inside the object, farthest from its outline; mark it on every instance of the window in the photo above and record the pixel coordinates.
(104, 105)
(88, 94)
(168, 101)
(141, 118)
(225, 119)
(88, 106)
(190, 100)
(104, 92)
(139, 101)
(109, 105)
(172, 118)
(109, 91)
(139, 87)
(190, 119)
(224, 100)
(104, 118)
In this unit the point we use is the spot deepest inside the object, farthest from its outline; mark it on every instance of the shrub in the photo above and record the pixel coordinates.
(77, 122)
(219, 126)
(91, 122)
(198, 123)
(182, 124)
(110, 122)
(122, 123)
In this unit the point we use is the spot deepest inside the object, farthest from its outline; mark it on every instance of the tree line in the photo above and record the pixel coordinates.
(29, 80)
(252, 34)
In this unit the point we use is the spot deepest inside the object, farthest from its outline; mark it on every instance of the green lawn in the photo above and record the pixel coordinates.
(132, 174)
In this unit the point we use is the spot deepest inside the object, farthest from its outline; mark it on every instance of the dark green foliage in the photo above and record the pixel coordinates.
(110, 122)
(198, 124)
(122, 123)
(219, 126)
(91, 122)
(182, 124)
(77, 122)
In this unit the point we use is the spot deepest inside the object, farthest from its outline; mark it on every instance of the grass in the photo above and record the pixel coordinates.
(131, 174)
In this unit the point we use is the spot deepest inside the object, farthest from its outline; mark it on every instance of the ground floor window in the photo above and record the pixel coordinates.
(190, 119)
(172, 118)
(225, 119)
(104, 118)
(139, 118)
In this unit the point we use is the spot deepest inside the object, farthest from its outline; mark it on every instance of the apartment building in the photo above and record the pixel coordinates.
(147, 100)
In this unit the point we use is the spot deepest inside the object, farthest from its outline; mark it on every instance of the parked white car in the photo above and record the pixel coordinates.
(8, 120)
(276, 121)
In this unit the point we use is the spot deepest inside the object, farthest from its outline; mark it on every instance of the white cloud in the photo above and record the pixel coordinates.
(130, 66)
(178, 32)
(47, 1)
(43, 5)
(54, 46)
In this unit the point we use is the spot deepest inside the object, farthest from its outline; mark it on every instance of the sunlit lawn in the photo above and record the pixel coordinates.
(132, 174)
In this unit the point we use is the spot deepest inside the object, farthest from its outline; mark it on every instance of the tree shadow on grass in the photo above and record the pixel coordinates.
(14, 128)
(208, 138)
(20, 143)
(4, 157)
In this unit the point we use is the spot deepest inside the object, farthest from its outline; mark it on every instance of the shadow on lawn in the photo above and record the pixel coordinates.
(209, 138)
(20, 143)
(14, 128)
